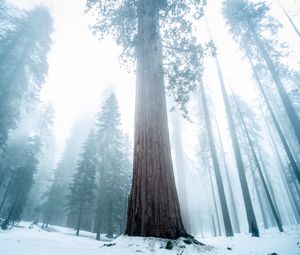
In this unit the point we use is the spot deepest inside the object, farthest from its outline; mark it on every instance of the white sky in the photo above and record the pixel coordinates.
(82, 69)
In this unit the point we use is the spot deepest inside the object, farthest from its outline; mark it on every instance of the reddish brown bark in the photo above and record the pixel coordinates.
(153, 208)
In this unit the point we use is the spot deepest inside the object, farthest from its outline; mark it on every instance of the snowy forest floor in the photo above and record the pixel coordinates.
(62, 241)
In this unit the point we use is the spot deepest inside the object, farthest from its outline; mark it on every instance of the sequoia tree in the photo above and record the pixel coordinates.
(158, 35)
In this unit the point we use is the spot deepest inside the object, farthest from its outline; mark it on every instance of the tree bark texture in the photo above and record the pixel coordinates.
(153, 208)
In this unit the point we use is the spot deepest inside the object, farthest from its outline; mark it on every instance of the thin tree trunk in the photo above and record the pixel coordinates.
(253, 228)
(290, 19)
(2, 177)
(260, 202)
(234, 210)
(110, 229)
(215, 202)
(98, 220)
(293, 203)
(181, 172)
(280, 133)
(213, 150)
(79, 219)
(213, 226)
(5, 195)
(267, 177)
(289, 108)
(258, 166)
(153, 208)
(98, 229)
(259, 194)
(12, 208)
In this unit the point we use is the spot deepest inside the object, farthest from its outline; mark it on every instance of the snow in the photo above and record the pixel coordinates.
(63, 241)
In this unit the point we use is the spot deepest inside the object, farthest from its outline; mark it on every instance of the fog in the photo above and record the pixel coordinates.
(85, 109)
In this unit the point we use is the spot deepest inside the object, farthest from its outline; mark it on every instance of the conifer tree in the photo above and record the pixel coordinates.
(113, 169)
(58, 189)
(82, 188)
(23, 163)
(23, 64)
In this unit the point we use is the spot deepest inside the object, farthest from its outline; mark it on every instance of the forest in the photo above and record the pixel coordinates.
(156, 127)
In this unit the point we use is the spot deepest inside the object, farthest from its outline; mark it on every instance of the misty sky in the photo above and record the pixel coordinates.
(82, 70)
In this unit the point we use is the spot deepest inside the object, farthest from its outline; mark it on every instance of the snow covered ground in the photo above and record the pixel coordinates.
(23, 240)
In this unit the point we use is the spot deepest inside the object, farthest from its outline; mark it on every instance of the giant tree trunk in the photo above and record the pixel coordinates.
(252, 223)
(289, 108)
(278, 128)
(153, 208)
(213, 150)
(180, 171)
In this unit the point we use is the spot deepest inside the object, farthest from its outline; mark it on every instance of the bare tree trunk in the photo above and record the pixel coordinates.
(98, 229)
(293, 203)
(280, 133)
(258, 166)
(5, 195)
(110, 229)
(290, 19)
(79, 219)
(153, 208)
(13, 207)
(98, 219)
(180, 171)
(289, 108)
(213, 226)
(260, 202)
(267, 177)
(253, 228)
(234, 210)
(215, 202)
(258, 192)
(213, 150)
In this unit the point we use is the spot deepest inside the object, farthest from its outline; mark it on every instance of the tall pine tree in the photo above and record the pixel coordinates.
(113, 170)
(23, 64)
(82, 188)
